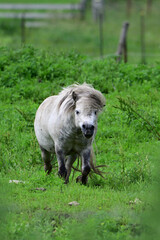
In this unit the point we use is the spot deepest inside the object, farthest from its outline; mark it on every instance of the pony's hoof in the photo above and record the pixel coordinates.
(48, 169)
(66, 182)
(79, 179)
(82, 179)
(62, 172)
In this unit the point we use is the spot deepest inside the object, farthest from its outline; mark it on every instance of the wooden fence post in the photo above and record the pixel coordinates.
(149, 6)
(143, 55)
(98, 16)
(22, 30)
(83, 4)
(122, 47)
(98, 7)
(101, 34)
(128, 7)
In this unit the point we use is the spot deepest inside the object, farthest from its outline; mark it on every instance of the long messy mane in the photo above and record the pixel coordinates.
(67, 102)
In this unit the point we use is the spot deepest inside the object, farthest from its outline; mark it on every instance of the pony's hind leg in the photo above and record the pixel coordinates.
(62, 172)
(46, 156)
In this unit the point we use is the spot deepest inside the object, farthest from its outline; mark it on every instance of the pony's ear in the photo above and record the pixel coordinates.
(74, 96)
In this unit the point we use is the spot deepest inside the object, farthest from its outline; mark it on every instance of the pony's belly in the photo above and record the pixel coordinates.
(45, 141)
(49, 148)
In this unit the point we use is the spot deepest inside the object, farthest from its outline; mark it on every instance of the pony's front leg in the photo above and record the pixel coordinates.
(69, 163)
(61, 163)
(85, 165)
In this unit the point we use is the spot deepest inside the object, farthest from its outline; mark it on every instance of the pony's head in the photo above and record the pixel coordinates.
(88, 103)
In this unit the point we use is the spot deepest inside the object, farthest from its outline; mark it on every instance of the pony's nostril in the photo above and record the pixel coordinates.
(88, 127)
(92, 127)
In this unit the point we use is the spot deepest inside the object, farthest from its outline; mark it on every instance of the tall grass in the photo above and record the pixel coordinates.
(108, 208)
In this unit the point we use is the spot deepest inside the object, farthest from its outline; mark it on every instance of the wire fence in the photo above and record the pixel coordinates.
(99, 34)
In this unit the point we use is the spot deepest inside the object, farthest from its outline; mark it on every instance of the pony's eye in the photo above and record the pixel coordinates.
(77, 112)
(95, 112)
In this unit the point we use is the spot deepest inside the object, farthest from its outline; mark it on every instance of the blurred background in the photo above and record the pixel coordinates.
(91, 27)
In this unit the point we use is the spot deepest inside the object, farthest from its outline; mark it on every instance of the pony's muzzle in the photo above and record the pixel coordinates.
(87, 130)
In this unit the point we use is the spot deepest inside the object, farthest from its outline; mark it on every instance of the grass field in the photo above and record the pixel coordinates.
(84, 35)
(122, 206)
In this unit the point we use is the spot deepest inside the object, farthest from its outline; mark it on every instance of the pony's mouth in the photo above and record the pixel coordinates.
(87, 130)
(88, 135)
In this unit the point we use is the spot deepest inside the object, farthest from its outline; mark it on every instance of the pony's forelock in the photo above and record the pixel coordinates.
(94, 98)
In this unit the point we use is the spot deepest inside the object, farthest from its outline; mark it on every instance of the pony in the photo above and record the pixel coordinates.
(66, 125)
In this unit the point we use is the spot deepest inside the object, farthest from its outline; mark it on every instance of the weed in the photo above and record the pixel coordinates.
(132, 114)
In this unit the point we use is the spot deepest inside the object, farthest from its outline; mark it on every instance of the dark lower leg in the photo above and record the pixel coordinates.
(68, 165)
(85, 173)
(47, 161)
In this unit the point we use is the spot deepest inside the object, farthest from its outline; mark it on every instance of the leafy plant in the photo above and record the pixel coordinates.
(132, 114)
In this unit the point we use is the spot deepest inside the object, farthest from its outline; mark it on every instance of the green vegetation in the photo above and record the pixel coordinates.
(127, 141)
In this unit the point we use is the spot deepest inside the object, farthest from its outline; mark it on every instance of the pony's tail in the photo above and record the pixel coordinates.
(94, 167)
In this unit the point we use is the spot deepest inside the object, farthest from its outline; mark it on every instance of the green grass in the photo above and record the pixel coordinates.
(49, 215)
(107, 208)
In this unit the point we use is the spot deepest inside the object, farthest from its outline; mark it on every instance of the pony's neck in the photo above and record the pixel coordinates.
(68, 119)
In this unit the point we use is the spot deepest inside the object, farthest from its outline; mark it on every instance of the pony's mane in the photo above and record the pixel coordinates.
(94, 98)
